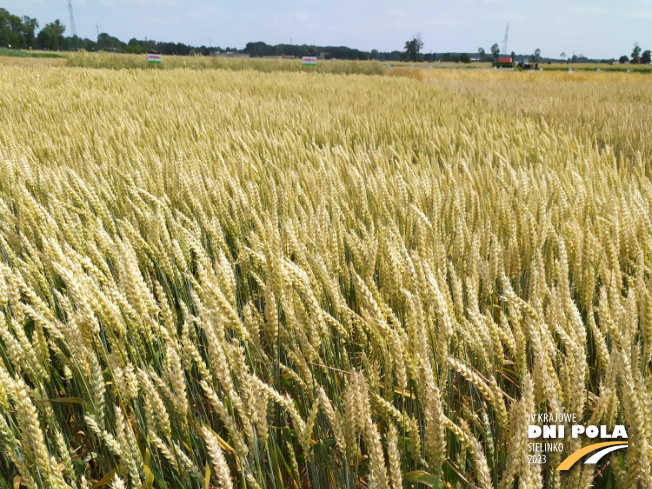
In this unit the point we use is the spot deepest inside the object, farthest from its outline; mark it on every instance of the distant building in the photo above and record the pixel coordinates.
(229, 54)
(282, 56)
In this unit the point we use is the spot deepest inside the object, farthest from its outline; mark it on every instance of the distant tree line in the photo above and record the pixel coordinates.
(18, 32)
(638, 56)
(260, 49)
(23, 33)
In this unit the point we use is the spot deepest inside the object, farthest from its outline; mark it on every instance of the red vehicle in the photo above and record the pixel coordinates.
(504, 62)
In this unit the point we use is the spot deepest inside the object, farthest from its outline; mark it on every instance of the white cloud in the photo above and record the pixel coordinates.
(301, 17)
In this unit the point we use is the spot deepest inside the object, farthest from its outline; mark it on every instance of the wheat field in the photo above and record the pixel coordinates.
(117, 61)
(239, 279)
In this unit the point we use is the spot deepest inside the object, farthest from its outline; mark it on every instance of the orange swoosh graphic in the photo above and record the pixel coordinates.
(574, 457)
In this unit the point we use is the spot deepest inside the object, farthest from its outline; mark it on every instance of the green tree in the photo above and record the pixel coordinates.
(495, 51)
(413, 47)
(636, 53)
(71, 43)
(11, 30)
(134, 46)
(257, 49)
(513, 56)
(29, 30)
(374, 54)
(646, 57)
(4, 27)
(105, 42)
(51, 36)
(482, 53)
(17, 38)
(89, 45)
(623, 59)
(465, 58)
(537, 53)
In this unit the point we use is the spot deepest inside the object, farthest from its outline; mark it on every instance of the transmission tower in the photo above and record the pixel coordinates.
(505, 40)
(72, 20)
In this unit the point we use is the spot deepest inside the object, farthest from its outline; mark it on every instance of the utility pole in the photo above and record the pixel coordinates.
(97, 28)
(210, 42)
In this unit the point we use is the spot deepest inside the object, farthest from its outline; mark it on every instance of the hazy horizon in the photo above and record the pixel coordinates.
(597, 29)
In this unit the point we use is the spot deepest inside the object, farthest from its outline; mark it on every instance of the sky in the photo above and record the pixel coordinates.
(595, 28)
